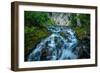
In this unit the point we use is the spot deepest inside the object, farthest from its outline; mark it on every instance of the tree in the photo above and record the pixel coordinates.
(35, 18)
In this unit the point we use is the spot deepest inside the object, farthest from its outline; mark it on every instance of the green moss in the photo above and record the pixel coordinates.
(34, 35)
(82, 31)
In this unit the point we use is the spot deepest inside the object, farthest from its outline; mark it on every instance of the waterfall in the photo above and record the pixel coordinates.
(58, 46)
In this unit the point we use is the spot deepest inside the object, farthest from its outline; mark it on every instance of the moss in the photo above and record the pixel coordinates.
(34, 35)
(82, 31)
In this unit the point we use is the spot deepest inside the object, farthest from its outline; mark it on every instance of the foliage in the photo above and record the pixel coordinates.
(73, 20)
(33, 35)
(38, 19)
(85, 24)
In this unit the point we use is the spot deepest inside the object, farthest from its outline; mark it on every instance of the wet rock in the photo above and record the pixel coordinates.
(56, 46)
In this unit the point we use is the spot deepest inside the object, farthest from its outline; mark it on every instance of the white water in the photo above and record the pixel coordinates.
(56, 46)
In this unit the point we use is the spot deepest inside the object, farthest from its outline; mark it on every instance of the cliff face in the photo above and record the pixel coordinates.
(61, 19)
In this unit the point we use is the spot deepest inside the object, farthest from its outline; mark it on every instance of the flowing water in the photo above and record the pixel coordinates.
(60, 45)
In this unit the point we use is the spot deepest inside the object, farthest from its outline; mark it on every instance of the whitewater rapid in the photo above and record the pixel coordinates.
(60, 45)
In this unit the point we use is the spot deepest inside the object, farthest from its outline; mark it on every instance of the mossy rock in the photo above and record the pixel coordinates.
(33, 36)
